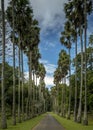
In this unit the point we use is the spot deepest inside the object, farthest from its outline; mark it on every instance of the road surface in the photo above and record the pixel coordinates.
(49, 123)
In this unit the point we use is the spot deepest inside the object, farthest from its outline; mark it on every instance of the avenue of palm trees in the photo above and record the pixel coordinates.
(23, 99)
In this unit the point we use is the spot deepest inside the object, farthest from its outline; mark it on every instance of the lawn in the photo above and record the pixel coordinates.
(26, 125)
(71, 125)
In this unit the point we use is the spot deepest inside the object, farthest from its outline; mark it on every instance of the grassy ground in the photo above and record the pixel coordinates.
(26, 125)
(71, 125)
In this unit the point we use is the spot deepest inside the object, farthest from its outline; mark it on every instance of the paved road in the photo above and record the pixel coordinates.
(49, 123)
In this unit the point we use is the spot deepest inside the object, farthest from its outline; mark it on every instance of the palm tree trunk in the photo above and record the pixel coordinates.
(33, 91)
(22, 85)
(85, 119)
(64, 97)
(14, 109)
(81, 85)
(36, 89)
(3, 111)
(69, 106)
(30, 86)
(57, 100)
(62, 102)
(19, 86)
(27, 108)
(75, 105)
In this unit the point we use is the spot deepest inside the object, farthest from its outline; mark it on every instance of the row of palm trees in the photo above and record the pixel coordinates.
(60, 77)
(75, 27)
(25, 36)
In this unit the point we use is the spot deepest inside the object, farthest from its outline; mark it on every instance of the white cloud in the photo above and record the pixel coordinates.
(49, 81)
(26, 75)
(49, 13)
(43, 61)
(50, 68)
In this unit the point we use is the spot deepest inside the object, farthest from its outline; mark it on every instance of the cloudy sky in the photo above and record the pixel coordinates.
(51, 19)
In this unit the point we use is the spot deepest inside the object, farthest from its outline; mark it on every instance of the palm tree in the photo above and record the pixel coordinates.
(42, 72)
(66, 40)
(14, 109)
(35, 62)
(22, 61)
(63, 65)
(3, 111)
(85, 119)
(57, 79)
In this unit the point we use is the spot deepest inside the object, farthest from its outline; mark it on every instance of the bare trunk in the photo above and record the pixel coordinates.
(22, 85)
(19, 86)
(75, 105)
(30, 87)
(85, 119)
(3, 111)
(62, 103)
(69, 106)
(14, 109)
(81, 85)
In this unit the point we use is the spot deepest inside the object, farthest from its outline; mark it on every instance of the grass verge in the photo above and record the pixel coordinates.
(71, 125)
(26, 125)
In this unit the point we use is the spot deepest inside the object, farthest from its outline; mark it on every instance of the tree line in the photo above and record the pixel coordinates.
(76, 97)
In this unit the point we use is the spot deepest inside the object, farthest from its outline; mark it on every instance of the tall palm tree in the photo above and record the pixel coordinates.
(3, 111)
(14, 109)
(85, 119)
(63, 64)
(22, 62)
(57, 79)
(66, 40)
(41, 74)
(19, 85)
(75, 105)
(35, 62)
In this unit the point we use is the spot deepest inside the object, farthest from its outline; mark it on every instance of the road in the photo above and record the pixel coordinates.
(49, 123)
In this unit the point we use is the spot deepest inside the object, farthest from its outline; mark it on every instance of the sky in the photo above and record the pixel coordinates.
(51, 19)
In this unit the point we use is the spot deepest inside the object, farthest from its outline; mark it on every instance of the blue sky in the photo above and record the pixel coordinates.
(51, 19)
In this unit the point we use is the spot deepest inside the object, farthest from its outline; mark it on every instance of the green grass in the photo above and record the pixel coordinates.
(71, 125)
(26, 125)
